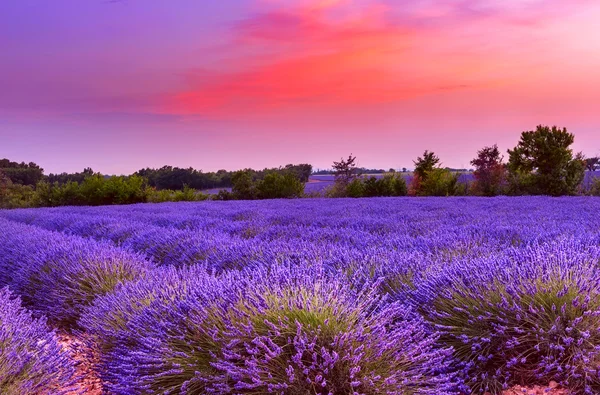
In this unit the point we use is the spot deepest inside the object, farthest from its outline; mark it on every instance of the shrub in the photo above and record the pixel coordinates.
(31, 359)
(166, 195)
(529, 319)
(438, 182)
(289, 330)
(59, 275)
(107, 319)
(595, 187)
(543, 163)
(94, 190)
(490, 172)
(431, 180)
(243, 184)
(279, 186)
(355, 188)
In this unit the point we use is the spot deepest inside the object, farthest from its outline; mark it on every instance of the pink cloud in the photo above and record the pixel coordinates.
(328, 55)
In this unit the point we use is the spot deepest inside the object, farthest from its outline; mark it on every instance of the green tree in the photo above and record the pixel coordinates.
(21, 173)
(490, 172)
(424, 167)
(425, 164)
(439, 182)
(543, 163)
(243, 185)
(345, 170)
(280, 186)
(592, 164)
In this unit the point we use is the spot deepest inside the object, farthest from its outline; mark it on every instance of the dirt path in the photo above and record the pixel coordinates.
(87, 381)
(89, 384)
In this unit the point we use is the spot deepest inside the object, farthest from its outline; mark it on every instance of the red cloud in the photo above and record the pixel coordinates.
(332, 54)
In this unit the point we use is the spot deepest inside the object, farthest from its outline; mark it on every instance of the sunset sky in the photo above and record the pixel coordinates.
(123, 84)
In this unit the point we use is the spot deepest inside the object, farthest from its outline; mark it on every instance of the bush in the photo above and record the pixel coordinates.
(244, 187)
(543, 163)
(31, 359)
(292, 330)
(166, 195)
(279, 186)
(355, 188)
(595, 187)
(490, 172)
(16, 196)
(438, 182)
(59, 275)
(95, 190)
(108, 318)
(529, 319)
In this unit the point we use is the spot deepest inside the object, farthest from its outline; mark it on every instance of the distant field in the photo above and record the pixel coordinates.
(383, 295)
(318, 183)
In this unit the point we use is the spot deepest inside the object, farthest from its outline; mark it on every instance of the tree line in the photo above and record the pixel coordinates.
(25, 185)
(542, 163)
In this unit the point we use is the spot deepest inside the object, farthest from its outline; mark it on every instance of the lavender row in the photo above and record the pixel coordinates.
(32, 360)
(388, 296)
(59, 275)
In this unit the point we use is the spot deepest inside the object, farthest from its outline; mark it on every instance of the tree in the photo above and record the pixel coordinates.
(439, 182)
(345, 170)
(301, 171)
(280, 186)
(425, 164)
(592, 163)
(21, 173)
(243, 185)
(490, 172)
(543, 163)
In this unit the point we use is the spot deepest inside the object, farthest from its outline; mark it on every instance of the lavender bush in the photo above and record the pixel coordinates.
(59, 275)
(31, 359)
(530, 317)
(283, 329)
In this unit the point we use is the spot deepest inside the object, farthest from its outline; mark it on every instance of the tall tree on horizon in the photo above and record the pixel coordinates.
(490, 172)
(543, 163)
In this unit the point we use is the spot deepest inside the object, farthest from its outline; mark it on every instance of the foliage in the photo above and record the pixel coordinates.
(345, 170)
(14, 195)
(354, 189)
(425, 164)
(591, 164)
(490, 172)
(543, 163)
(95, 190)
(389, 185)
(32, 360)
(175, 178)
(64, 178)
(244, 187)
(279, 186)
(594, 189)
(166, 195)
(436, 182)
(424, 167)
(21, 173)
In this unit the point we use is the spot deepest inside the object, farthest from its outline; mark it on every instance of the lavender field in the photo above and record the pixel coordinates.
(371, 296)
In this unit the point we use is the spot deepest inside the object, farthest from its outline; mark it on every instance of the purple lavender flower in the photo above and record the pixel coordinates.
(31, 359)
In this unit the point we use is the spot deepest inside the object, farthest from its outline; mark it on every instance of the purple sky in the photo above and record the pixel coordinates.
(254, 83)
